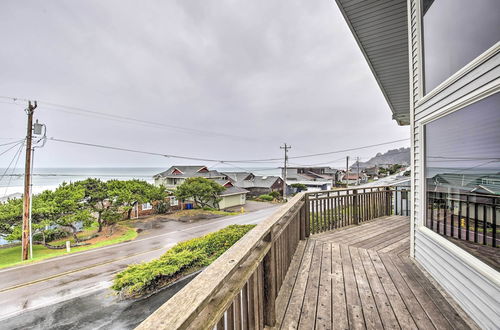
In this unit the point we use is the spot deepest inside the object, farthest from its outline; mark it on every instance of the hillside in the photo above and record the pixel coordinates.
(395, 156)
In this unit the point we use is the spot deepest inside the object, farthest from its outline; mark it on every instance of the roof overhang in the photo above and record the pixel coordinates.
(381, 31)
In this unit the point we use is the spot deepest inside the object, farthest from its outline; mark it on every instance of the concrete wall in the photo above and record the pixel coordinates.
(473, 284)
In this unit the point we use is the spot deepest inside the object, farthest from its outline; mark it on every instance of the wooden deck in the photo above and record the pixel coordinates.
(362, 277)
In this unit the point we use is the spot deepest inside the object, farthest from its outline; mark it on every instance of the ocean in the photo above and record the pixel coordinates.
(51, 178)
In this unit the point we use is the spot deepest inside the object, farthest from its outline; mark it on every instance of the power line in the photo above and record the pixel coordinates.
(350, 149)
(322, 163)
(198, 158)
(8, 149)
(13, 169)
(12, 160)
(9, 143)
(129, 120)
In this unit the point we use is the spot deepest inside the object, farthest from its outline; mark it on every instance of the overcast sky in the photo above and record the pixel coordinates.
(244, 76)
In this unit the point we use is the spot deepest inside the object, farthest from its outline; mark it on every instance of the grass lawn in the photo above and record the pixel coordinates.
(12, 256)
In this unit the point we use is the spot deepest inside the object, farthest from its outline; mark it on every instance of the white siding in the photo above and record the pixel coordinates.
(478, 294)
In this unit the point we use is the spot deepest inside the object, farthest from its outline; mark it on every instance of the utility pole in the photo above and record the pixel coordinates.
(285, 147)
(27, 182)
(347, 172)
(357, 162)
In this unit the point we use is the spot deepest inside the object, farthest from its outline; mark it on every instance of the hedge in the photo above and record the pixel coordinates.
(268, 198)
(182, 259)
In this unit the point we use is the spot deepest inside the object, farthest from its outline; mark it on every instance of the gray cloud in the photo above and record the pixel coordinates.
(271, 71)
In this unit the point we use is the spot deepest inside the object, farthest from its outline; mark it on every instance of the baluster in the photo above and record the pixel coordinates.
(452, 217)
(485, 223)
(431, 202)
(230, 318)
(245, 307)
(467, 218)
(459, 217)
(494, 222)
(476, 215)
(269, 268)
(445, 217)
(237, 312)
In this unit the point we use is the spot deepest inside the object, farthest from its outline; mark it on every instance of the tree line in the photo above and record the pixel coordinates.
(61, 212)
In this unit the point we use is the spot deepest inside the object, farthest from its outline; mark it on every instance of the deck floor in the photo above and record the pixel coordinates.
(362, 278)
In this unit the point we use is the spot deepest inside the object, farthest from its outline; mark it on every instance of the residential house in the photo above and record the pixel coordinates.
(264, 185)
(237, 177)
(232, 196)
(372, 172)
(176, 175)
(440, 75)
(315, 178)
(354, 178)
(323, 173)
(256, 184)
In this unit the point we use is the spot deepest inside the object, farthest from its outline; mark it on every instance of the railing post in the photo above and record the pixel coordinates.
(269, 286)
(387, 199)
(307, 216)
(302, 221)
(355, 205)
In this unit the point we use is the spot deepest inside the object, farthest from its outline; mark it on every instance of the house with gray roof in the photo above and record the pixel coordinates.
(232, 196)
(176, 175)
(256, 184)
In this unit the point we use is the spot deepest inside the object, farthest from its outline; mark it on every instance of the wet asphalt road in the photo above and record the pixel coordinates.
(97, 310)
(30, 287)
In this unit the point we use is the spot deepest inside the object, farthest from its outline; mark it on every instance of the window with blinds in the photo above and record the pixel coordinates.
(462, 171)
(455, 33)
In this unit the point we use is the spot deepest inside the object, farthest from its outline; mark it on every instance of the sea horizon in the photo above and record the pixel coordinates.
(49, 178)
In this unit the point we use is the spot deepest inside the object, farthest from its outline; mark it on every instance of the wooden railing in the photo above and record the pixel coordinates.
(239, 289)
(333, 209)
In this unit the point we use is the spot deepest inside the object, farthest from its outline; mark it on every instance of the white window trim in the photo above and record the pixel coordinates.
(463, 255)
(149, 207)
(489, 53)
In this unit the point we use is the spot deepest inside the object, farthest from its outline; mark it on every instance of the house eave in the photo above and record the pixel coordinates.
(394, 86)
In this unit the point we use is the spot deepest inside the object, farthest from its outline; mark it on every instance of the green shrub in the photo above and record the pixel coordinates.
(183, 258)
(266, 197)
(162, 207)
(299, 186)
(275, 194)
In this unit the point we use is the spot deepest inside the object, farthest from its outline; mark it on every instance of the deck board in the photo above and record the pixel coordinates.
(362, 277)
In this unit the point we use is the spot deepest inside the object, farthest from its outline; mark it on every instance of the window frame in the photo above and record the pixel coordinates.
(471, 65)
(442, 112)
(150, 206)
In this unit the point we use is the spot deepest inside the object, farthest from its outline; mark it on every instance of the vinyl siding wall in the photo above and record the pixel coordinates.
(473, 284)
